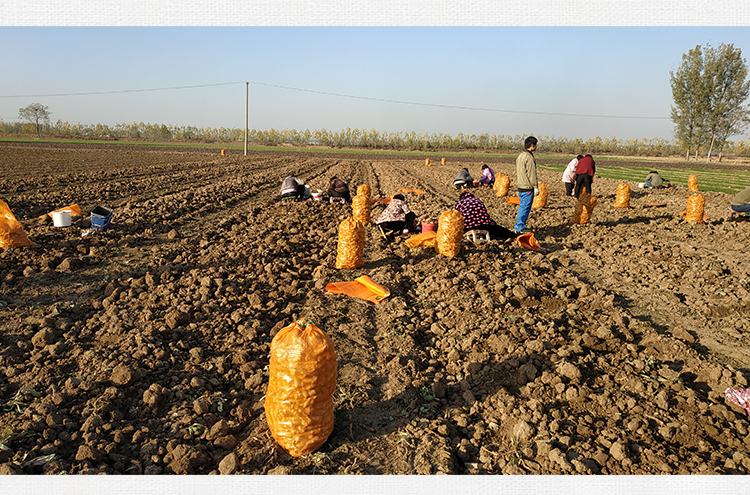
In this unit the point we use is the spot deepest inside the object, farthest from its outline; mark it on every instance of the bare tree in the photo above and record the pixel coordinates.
(37, 114)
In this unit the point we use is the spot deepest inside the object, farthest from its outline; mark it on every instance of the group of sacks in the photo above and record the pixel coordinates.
(303, 365)
(695, 202)
(351, 242)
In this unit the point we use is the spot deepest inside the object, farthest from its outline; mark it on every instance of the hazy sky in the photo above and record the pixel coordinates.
(569, 81)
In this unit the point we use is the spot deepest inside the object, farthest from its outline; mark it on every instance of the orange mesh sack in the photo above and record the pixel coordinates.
(622, 200)
(503, 184)
(541, 200)
(695, 203)
(584, 208)
(361, 208)
(302, 376)
(11, 230)
(351, 245)
(693, 183)
(364, 190)
(450, 233)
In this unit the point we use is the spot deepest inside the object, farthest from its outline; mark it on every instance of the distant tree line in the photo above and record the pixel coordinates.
(362, 138)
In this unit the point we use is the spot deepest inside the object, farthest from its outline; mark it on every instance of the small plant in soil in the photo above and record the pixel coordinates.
(21, 400)
(5, 437)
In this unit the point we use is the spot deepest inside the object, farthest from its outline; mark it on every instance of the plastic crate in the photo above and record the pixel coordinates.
(100, 217)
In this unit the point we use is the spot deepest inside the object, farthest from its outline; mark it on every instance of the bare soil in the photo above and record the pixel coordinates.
(143, 349)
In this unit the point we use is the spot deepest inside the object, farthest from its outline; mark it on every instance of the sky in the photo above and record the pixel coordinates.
(563, 81)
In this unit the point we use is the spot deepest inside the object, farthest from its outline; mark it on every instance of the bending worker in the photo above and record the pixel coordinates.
(476, 217)
(337, 188)
(741, 202)
(293, 187)
(585, 171)
(463, 179)
(396, 217)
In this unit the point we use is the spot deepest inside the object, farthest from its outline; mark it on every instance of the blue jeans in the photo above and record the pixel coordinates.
(648, 184)
(741, 208)
(524, 208)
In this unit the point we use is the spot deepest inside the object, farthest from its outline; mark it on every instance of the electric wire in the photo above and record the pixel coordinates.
(341, 95)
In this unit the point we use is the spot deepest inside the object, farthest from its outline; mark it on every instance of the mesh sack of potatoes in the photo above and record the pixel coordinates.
(693, 183)
(622, 200)
(361, 208)
(503, 184)
(694, 210)
(351, 244)
(450, 233)
(302, 374)
(540, 201)
(364, 190)
(584, 208)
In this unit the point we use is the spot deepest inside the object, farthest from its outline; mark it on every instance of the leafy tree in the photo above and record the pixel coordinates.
(709, 91)
(37, 114)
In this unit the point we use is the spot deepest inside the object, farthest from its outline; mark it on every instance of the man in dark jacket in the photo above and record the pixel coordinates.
(337, 188)
(585, 171)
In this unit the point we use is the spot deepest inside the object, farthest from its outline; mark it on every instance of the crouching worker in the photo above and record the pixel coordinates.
(488, 176)
(338, 189)
(293, 187)
(396, 217)
(476, 217)
(463, 179)
(655, 181)
(741, 202)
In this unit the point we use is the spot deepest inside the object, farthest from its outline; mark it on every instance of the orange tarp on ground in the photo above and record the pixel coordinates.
(528, 241)
(415, 191)
(362, 288)
(423, 239)
(513, 200)
(74, 211)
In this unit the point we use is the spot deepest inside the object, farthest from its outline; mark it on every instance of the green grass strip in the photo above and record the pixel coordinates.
(726, 181)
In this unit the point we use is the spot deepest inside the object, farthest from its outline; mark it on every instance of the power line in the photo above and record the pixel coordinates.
(457, 107)
(120, 91)
(341, 95)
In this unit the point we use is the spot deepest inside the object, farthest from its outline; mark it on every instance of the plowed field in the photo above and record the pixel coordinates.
(144, 349)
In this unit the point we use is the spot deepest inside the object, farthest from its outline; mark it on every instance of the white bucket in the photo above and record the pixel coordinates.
(641, 185)
(317, 195)
(61, 218)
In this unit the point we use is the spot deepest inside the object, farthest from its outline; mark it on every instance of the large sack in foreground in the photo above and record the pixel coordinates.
(351, 244)
(302, 374)
(450, 233)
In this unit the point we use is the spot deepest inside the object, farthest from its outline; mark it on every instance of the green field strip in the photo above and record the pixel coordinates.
(726, 181)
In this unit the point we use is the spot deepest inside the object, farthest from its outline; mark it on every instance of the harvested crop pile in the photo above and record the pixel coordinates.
(145, 348)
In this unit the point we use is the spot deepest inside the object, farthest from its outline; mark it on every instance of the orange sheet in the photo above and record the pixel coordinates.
(362, 288)
(415, 191)
(385, 201)
(528, 241)
(74, 211)
(423, 239)
(514, 200)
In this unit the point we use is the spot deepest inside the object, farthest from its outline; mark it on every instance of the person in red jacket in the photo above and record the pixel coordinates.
(585, 171)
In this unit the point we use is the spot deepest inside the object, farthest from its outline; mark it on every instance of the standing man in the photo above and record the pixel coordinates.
(528, 185)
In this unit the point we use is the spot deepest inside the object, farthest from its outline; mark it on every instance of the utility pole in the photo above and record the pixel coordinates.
(247, 84)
